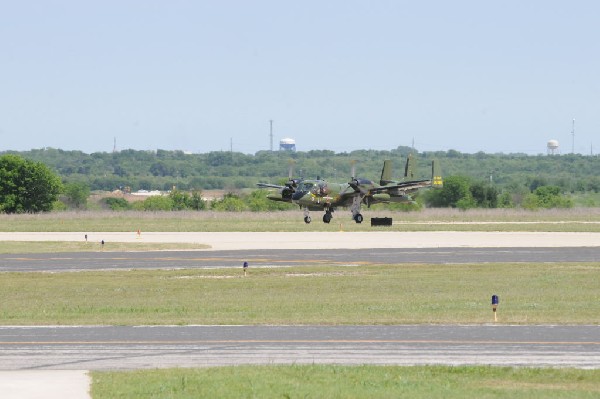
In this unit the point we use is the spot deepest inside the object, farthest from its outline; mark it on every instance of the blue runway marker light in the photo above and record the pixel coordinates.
(495, 302)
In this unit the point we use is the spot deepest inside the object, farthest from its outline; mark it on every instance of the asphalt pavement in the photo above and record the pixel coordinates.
(106, 260)
(124, 348)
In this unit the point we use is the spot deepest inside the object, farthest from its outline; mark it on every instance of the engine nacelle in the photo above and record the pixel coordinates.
(286, 193)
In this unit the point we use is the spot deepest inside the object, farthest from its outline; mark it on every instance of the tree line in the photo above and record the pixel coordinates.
(162, 170)
(471, 180)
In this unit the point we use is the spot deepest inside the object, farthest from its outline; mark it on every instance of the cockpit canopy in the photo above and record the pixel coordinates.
(318, 188)
(305, 186)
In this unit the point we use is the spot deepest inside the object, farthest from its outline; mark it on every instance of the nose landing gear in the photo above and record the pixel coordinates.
(307, 218)
(355, 209)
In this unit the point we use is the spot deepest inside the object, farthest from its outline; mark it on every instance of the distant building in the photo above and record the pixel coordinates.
(287, 144)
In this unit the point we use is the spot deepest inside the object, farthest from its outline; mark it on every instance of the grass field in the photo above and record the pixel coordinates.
(579, 219)
(330, 381)
(400, 294)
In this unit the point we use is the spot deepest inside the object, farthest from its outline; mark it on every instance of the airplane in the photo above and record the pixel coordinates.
(316, 195)
(285, 192)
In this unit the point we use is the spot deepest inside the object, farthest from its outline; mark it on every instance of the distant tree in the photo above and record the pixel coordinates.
(466, 203)
(119, 171)
(453, 154)
(230, 202)
(403, 150)
(547, 197)
(535, 182)
(157, 203)
(160, 169)
(196, 202)
(484, 195)
(551, 197)
(77, 194)
(505, 200)
(531, 202)
(181, 200)
(455, 193)
(219, 158)
(26, 186)
(117, 204)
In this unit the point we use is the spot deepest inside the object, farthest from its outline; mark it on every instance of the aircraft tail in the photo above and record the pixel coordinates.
(386, 173)
(409, 173)
(436, 175)
(409, 169)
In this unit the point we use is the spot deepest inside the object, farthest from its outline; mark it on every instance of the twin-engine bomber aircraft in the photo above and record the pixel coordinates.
(317, 195)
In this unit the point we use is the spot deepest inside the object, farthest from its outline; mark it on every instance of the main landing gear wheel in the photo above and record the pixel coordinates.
(327, 217)
(358, 218)
(307, 219)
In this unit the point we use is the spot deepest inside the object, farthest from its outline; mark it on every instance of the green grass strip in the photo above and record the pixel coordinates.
(331, 381)
(25, 247)
(580, 220)
(532, 293)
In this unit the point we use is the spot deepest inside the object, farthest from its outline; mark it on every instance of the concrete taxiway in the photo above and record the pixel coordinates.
(46, 384)
(331, 240)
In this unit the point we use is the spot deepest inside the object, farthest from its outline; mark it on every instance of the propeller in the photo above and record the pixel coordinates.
(291, 184)
(354, 183)
(291, 163)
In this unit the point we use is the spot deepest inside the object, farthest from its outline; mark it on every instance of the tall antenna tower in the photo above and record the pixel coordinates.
(115, 145)
(271, 135)
(573, 137)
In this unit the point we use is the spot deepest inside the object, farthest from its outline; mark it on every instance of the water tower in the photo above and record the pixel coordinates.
(552, 147)
(287, 145)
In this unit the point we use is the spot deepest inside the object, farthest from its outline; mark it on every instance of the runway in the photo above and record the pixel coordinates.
(89, 261)
(110, 348)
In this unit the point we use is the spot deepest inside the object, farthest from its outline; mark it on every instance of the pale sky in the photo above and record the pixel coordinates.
(503, 76)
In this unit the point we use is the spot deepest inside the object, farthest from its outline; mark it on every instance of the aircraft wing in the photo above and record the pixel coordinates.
(402, 186)
(283, 194)
(267, 185)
